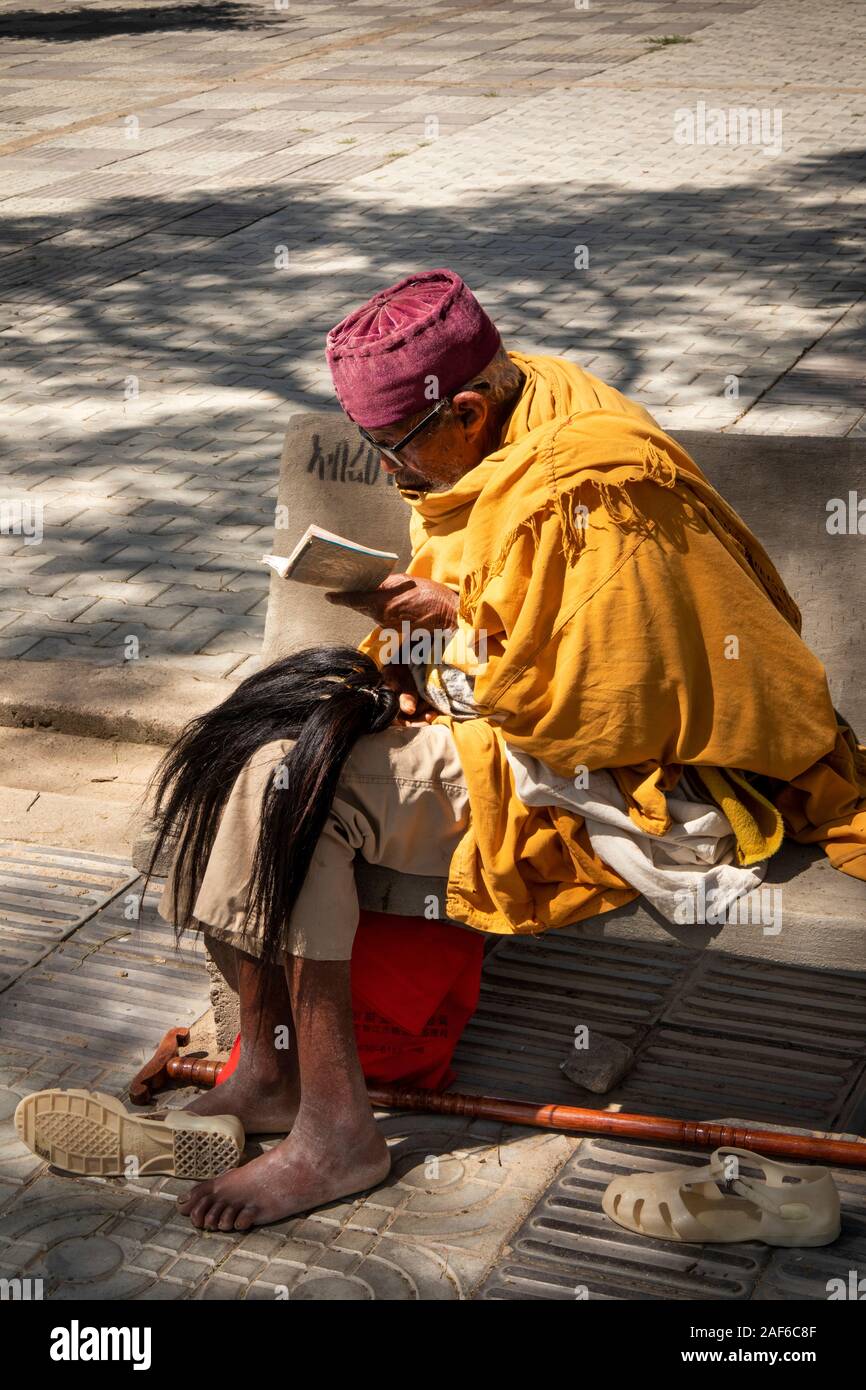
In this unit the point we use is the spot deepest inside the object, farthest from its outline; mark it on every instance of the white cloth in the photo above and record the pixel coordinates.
(444, 686)
(693, 862)
(689, 874)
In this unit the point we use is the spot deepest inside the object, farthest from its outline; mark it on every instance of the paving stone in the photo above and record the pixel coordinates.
(221, 1287)
(84, 1258)
(148, 265)
(184, 219)
(151, 1261)
(17, 1164)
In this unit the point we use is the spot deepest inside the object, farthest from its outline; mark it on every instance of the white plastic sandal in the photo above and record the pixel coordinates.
(90, 1133)
(789, 1206)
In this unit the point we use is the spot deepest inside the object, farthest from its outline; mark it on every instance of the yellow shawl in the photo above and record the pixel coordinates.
(633, 623)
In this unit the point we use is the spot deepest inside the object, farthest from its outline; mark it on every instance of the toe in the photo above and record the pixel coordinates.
(201, 1189)
(213, 1214)
(227, 1218)
(245, 1219)
(198, 1212)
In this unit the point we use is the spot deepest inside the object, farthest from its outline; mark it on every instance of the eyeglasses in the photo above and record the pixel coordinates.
(392, 451)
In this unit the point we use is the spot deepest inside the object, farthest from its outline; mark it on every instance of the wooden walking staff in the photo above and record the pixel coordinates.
(167, 1066)
(702, 1134)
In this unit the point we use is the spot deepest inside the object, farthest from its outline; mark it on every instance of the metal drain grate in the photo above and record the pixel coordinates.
(781, 1044)
(46, 893)
(568, 1249)
(853, 1115)
(818, 1010)
(535, 990)
(692, 1075)
(117, 927)
(101, 1006)
(109, 992)
(18, 954)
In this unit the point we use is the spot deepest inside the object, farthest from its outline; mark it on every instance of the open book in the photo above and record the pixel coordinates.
(333, 562)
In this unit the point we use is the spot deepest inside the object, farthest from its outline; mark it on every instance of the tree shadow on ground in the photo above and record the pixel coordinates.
(193, 297)
(73, 24)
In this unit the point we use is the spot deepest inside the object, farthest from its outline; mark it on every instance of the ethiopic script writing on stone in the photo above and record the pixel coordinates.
(342, 465)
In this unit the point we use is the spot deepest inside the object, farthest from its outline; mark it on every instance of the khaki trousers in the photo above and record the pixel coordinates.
(401, 802)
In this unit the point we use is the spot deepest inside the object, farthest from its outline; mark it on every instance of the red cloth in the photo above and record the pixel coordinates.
(231, 1064)
(415, 986)
(408, 347)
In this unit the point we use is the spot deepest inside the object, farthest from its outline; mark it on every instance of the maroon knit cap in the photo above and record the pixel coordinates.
(383, 355)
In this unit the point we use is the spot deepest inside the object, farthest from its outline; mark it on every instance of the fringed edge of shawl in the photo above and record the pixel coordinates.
(655, 466)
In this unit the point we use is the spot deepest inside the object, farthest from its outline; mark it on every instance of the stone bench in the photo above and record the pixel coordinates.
(781, 486)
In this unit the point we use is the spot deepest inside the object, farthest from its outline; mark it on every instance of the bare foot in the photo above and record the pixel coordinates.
(307, 1170)
(262, 1106)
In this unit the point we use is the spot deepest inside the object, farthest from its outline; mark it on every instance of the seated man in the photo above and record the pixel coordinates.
(622, 702)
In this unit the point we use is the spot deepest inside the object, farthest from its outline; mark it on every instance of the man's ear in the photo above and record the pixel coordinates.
(472, 410)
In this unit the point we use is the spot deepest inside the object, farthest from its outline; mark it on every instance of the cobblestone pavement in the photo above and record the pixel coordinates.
(472, 1209)
(192, 193)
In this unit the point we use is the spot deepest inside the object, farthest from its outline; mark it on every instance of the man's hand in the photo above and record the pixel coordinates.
(422, 603)
(413, 708)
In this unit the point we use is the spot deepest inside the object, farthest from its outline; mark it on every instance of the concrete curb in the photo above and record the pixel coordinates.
(116, 702)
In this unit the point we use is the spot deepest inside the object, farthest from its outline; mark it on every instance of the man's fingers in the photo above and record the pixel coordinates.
(426, 605)
(393, 584)
(408, 703)
(361, 600)
(351, 595)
